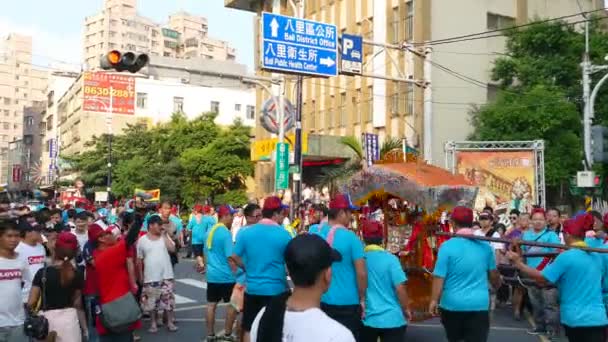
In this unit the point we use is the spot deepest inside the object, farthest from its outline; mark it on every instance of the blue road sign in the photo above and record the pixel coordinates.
(352, 54)
(299, 46)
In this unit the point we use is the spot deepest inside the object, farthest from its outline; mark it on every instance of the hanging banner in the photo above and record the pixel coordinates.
(371, 148)
(148, 195)
(505, 178)
(16, 173)
(97, 94)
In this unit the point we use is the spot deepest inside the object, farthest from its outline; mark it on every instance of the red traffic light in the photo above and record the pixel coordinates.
(597, 180)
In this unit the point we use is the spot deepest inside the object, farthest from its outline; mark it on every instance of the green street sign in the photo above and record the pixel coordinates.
(294, 169)
(281, 174)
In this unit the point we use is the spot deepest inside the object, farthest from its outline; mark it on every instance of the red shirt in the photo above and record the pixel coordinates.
(113, 277)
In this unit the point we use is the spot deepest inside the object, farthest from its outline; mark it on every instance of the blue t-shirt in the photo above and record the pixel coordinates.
(314, 229)
(578, 277)
(218, 268)
(544, 235)
(343, 288)
(594, 242)
(382, 307)
(261, 248)
(464, 265)
(199, 228)
(177, 222)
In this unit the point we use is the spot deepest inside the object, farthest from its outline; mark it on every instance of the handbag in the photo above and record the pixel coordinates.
(120, 314)
(35, 325)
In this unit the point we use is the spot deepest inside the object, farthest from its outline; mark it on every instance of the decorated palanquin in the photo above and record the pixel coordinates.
(414, 198)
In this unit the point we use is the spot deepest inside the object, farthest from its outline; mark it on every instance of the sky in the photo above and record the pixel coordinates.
(56, 25)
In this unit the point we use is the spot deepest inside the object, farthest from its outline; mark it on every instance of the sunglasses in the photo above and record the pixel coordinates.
(513, 217)
(484, 218)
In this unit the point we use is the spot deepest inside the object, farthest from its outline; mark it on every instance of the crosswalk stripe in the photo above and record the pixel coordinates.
(193, 282)
(183, 300)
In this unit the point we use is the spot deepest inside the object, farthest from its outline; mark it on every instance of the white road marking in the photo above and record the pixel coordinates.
(183, 300)
(197, 307)
(193, 282)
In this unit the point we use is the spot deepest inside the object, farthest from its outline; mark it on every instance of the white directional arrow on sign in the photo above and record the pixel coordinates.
(327, 62)
(274, 26)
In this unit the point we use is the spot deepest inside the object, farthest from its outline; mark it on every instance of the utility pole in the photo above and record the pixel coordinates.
(428, 106)
(297, 150)
(110, 133)
(587, 119)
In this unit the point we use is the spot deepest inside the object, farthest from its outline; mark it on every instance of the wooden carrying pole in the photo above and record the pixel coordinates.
(522, 242)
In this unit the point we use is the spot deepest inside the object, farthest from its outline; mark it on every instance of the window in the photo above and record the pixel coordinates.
(7, 125)
(142, 100)
(178, 104)
(409, 20)
(237, 107)
(250, 112)
(7, 101)
(17, 77)
(29, 121)
(370, 104)
(410, 99)
(215, 107)
(28, 139)
(313, 112)
(7, 112)
(499, 22)
(395, 99)
(342, 110)
(395, 25)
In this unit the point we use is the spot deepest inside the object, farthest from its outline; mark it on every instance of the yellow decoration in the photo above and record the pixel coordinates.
(211, 233)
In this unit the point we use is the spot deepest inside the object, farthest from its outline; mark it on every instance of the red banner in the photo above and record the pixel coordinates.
(16, 173)
(99, 87)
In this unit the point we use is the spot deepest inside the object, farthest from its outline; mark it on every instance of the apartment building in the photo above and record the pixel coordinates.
(24, 153)
(191, 87)
(118, 26)
(21, 85)
(351, 105)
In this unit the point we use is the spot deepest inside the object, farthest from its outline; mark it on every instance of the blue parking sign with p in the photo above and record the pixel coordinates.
(352, 54)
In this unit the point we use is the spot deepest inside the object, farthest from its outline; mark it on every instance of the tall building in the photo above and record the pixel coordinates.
(118, 26)
(24, 153)
(21, 85)
(351, 105)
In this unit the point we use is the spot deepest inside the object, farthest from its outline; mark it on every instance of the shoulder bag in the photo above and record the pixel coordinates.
(36, 326)
(119, 315)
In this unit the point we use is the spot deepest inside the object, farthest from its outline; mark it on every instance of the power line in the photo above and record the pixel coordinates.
(458, 38)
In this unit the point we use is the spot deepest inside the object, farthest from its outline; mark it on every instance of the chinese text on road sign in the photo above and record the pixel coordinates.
(281, 178)
(299, 46)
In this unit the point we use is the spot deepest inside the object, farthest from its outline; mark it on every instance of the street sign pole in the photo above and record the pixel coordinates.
(297, 176)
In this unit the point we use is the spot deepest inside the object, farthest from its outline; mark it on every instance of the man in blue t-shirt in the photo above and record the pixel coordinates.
(220, 273)
(259, 251)
(460, 291)
(543, 300)
(578, 276)
(386, 302)
(345, 299)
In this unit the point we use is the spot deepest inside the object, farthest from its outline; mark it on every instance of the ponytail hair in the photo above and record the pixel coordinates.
(67, 270)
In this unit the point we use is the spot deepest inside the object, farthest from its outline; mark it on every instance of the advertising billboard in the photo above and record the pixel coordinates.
(506, 179)
(99, 87)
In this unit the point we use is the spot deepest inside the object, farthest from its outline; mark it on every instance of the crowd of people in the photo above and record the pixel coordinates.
(87, 273)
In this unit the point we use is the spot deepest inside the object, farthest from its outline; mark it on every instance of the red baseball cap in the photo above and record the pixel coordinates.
(206, 209)
(95, 232)
(274, 203)
(67, 240)
(372, 229)
(342, 201)
(225, 210)
(198, 208)
(462, 215)
(575, 227)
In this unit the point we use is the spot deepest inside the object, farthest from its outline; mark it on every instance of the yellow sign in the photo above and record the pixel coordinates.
(262, 149)
(148, 195)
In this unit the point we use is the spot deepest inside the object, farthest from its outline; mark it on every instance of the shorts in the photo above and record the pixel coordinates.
(197, 249)
(252, 304)
(369, 334)
(472, 326)
(217, 292)
(587, 334)
(158, 296)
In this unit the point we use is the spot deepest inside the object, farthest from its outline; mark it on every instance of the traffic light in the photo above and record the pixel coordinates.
(599, 143)
(127, 61)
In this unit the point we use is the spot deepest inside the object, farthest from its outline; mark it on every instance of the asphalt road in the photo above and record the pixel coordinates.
(190, 297)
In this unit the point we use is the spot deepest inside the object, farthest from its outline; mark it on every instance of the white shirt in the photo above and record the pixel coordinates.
(495, 245)
(237, 223)
(157, 263)
(12, 273)
(306, 326)
(34, 258)
(82, 238)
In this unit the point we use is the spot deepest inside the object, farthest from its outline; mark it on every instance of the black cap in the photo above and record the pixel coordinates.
(307, 255)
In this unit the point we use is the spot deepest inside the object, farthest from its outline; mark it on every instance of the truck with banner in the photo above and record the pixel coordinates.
(509, 174)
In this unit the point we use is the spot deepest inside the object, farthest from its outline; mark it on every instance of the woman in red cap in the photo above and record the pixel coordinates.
(57, 287)
(578, 276)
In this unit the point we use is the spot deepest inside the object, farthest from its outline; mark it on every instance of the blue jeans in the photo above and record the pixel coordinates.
(13, 334)
(90, 303)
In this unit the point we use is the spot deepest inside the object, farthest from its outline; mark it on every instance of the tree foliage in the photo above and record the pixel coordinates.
(188, 160)
(540, 94)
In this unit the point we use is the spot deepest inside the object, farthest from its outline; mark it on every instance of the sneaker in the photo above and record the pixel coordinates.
(210, 338)
(228, 338)
(536, 331)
